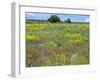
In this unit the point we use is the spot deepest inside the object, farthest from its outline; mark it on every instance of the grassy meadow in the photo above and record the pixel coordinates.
(57, 44)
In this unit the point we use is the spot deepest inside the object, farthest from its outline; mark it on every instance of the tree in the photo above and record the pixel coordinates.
(68, 20)
(54, 18)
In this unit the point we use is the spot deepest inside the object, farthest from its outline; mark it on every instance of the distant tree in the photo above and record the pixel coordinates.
(54, 18)
(68, 20)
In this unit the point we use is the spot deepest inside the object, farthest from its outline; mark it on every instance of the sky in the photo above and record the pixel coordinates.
(63, 17)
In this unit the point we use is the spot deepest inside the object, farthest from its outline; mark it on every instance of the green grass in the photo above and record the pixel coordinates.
(55, 44)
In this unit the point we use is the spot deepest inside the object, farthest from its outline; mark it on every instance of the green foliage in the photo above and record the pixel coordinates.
(32, 38)
(80, 59)
(54, 18)
(68, 20)
(59, 59)
(53, 44)
(76, 38)
(73, 36)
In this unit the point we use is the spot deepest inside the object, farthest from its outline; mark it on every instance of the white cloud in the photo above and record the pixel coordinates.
(30, 14)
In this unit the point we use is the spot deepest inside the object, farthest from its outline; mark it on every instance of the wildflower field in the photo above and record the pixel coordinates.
(57, 44)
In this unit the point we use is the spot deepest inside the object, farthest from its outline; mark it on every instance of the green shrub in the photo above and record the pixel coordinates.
(80, 60)
(73, 36)
(32, 38)
(56, 60)
(51, 46)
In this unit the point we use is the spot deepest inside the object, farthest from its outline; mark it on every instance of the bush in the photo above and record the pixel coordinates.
(76, 38)
(51, 46)
(59, 59)
(80, 60)
(73, 36)
(32, 38)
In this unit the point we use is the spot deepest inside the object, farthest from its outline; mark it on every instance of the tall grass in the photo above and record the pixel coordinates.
(53, 44)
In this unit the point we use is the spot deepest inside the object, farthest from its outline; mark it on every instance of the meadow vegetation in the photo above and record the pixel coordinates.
(57, 44)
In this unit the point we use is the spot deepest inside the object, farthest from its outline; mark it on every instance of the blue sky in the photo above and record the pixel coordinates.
(45, 16)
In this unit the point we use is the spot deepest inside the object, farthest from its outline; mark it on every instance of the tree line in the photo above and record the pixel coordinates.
(51, 19)
(55, 18)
